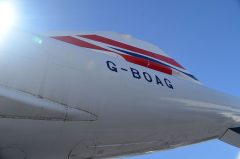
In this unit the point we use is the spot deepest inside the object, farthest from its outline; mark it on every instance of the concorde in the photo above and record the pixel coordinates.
(87, 95)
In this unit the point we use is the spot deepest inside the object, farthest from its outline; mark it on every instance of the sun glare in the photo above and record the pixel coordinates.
(7, 16)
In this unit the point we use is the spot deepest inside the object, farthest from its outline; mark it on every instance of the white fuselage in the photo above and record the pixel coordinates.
(131, 109)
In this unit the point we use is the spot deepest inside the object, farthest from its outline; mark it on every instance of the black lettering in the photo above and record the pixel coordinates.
(147, 77)
(158, 80)
(168, 83)
(112, 66)
(135, 73)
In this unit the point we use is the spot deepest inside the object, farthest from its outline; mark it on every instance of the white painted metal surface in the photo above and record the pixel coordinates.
(61, 101)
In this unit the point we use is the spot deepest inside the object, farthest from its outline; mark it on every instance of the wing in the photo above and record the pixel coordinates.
(232, 136)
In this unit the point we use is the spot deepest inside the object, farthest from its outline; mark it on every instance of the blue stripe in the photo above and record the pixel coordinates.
(153, 60)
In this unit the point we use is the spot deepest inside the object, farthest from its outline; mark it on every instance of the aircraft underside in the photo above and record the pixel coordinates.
(98, 95)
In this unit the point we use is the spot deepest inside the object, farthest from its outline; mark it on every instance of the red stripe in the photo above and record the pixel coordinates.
(147, 63)
(132, 59)
(132, 48)
(135, 60)
(159, 67)
(78, 42)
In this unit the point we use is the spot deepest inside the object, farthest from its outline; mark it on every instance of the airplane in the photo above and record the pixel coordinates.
(90, 95)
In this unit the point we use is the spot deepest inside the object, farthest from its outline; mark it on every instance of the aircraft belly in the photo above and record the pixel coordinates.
(79, 104)
(135, 110)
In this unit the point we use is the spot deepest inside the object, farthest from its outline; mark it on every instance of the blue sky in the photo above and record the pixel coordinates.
(202, 35)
